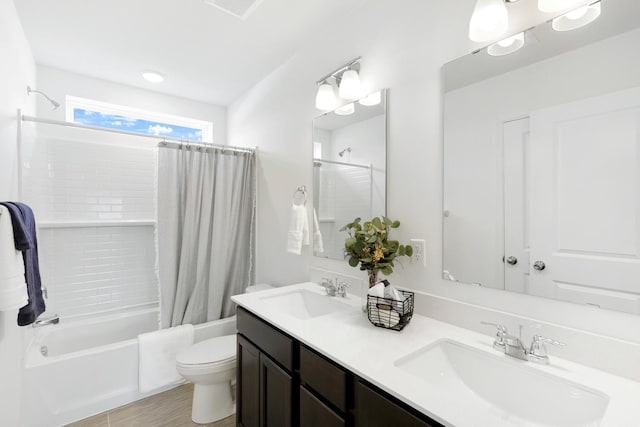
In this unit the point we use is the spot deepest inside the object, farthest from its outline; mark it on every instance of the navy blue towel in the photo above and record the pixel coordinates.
(24, 235)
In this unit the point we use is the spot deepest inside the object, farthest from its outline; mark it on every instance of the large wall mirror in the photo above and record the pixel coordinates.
(542, 164)
(349, 169)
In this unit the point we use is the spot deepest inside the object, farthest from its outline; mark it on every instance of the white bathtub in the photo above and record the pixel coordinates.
(90, 365)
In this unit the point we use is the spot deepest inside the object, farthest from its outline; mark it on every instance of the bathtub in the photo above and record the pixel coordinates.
(80, 368)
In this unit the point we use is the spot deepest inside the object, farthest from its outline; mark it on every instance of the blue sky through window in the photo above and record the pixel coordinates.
(147, 127)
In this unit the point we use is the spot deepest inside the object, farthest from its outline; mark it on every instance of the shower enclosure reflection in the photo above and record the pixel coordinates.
(349, 172)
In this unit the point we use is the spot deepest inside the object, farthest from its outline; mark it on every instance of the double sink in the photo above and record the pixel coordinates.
(496, 389)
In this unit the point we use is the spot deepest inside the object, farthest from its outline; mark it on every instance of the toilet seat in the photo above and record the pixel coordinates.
(219, 351)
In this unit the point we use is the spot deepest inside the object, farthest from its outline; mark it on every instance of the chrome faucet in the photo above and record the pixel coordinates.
(51, 320)
(337, 288)
(512, 345)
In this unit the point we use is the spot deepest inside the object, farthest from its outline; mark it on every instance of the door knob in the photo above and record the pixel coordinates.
(539, 265)
(512, 260)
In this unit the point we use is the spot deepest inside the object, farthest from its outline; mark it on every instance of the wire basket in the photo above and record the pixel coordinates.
(390, 314)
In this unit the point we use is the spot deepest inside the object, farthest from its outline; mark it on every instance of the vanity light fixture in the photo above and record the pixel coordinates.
(577, 18)
(507, 46)
(552, 6)
(346, 110)
(326, 97)
(489, 21)
(372, 99)
(348, 81)
(152, 76)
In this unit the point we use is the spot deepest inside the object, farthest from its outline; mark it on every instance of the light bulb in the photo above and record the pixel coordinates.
(372, 99)
(345, 110)
(506, 46)
(578, 13)
(489, 21)
(551, 6)
(577, 18)
(326, 97)
(350, 85)
(152, 76)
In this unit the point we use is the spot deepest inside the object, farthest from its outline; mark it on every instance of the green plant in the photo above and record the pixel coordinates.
(369, 245)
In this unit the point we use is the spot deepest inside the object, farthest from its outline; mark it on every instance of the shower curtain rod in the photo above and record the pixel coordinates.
(26, 118)
(355, 165)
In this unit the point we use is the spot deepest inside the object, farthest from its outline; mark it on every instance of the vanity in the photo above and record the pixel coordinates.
(307, 359)
(283, 382)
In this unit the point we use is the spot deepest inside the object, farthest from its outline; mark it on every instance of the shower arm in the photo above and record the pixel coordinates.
(54, 103)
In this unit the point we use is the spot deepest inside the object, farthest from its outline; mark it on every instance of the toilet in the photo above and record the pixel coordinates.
(211, 366)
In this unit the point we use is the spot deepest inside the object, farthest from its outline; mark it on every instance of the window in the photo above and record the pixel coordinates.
(111, 116)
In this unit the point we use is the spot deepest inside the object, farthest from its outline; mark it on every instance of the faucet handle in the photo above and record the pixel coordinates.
(341, 288)
(328, 286)
(538, 350)
(498, 343)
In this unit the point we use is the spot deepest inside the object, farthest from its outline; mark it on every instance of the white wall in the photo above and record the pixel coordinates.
(58, 83)
(473, 154)
(17, 70)
(404, 49)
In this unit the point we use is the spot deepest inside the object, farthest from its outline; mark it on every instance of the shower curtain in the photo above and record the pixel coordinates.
(206, 224)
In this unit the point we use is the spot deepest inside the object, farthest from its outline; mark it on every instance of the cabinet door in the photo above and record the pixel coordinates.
(248, 384)
(275, 394)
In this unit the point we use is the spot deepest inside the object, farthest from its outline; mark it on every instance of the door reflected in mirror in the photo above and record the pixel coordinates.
(542, 164)
(349, 170)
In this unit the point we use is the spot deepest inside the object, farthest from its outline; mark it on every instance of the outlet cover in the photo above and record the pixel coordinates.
(419, 248)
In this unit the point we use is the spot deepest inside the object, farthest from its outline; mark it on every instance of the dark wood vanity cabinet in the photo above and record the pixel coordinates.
(282, 383)
(265, 383)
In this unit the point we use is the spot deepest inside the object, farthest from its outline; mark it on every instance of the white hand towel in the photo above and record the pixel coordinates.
(13, 287)
(298, 234)
(157, 353)
(377, 290)
(318, 245)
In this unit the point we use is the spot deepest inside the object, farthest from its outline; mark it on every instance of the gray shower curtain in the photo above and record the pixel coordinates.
(206, 231)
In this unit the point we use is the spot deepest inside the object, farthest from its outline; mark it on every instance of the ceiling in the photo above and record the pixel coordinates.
(205, 53)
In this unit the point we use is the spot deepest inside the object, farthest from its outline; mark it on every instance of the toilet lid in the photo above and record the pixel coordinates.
(209, 351)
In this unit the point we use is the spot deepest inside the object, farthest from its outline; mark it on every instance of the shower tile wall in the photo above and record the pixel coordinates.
(345, 194)
(96, 208)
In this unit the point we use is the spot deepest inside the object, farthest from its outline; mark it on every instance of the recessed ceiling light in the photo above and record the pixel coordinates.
(153, 76)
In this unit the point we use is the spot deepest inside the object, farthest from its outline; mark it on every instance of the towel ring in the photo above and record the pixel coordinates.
(302, 190)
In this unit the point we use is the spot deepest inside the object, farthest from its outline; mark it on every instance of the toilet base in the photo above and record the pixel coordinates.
(212, 402)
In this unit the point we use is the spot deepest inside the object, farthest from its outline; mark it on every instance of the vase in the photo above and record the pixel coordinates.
(373, 277)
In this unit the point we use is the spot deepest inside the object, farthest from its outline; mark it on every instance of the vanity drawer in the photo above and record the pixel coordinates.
(314, 413)
(324, 377)
(373, 409)
(277, 345)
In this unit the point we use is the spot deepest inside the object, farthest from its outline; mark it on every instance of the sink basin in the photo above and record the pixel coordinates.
(493, 390)
(303, 304)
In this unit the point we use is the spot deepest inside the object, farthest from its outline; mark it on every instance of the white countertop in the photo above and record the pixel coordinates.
(350, 340)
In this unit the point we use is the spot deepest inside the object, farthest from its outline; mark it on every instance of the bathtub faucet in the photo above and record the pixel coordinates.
(51, 320)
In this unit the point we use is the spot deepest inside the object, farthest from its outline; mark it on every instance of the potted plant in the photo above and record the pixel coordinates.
(369, 245)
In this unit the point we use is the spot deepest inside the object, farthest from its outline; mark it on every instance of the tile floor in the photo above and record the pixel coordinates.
(169, 409)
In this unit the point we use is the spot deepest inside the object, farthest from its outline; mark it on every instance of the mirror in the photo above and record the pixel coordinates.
(349, 170)
(542, 164)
